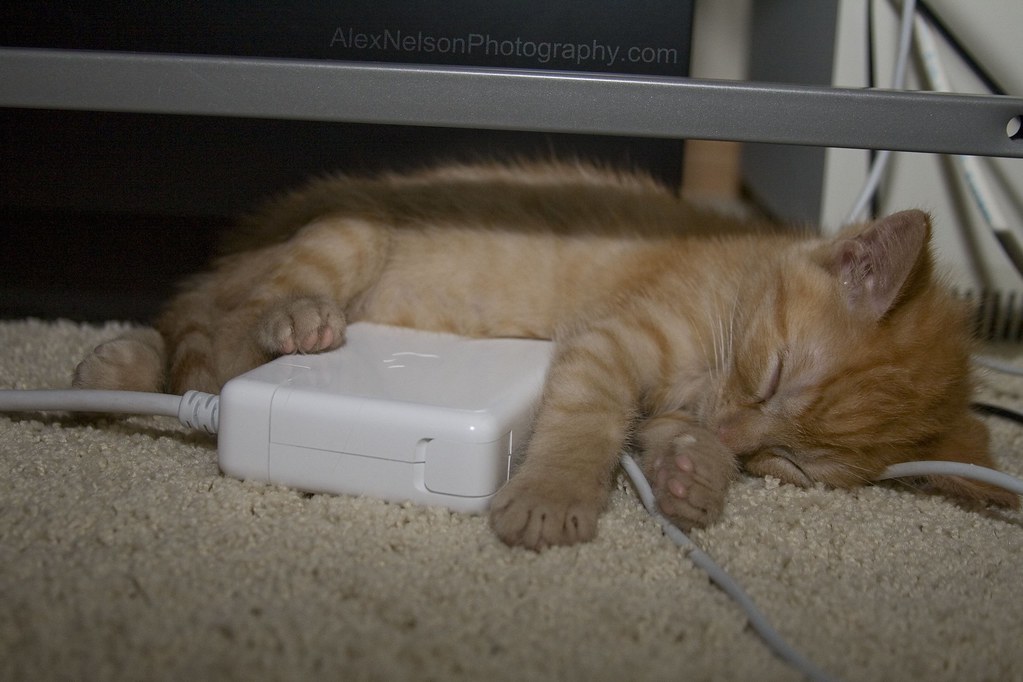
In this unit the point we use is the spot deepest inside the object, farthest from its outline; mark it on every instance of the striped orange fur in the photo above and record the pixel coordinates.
(707, 343)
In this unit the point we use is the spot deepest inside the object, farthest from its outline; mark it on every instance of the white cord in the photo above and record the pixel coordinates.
(756, 618)
(898, 82)
(972, 471)
(195, 409)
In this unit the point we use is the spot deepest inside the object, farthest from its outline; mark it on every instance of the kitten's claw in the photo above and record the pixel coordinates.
(538, 512)
(302, 325)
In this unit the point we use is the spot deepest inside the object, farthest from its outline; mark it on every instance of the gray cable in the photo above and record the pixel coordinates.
(195, 409)
(898, 81)
(972, 471)
(756, 618)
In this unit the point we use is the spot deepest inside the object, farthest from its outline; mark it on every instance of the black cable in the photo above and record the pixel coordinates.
(998, 411)
(871, 83)
(974, 65)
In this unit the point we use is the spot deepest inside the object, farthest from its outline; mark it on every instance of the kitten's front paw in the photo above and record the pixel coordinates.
(537, 512)
(302, 325)
(690, 479)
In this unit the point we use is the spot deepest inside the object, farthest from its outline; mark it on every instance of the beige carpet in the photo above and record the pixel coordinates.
(125, 555)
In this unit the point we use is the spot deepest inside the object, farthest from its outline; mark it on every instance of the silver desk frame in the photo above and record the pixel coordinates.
(508, 100)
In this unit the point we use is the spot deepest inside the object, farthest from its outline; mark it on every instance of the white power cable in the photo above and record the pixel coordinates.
(757, 620)
(961, 469)
(194, 409)
(898, 82)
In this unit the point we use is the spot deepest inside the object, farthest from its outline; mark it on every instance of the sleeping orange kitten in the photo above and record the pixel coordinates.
(705, 342)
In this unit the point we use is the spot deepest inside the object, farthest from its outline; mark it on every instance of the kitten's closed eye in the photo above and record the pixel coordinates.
(772, 380)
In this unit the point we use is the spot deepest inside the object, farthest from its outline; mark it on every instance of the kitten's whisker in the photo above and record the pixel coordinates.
(708, 356)
(862, 473)
(704, 353)
(731, 323)
(723, 342)
(714, 347)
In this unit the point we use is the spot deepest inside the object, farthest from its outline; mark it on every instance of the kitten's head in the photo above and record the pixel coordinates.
(852, 358)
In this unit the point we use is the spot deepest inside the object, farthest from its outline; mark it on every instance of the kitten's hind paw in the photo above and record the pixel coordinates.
(302, 325)
(131, 362)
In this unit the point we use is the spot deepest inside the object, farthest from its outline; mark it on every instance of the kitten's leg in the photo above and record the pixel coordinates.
(590, 397)
(207, 352)
(688, 468)
(133, 361)
(281, 299)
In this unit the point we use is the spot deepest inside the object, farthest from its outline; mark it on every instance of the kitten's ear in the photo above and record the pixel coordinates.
(968, 442)
(874, 261)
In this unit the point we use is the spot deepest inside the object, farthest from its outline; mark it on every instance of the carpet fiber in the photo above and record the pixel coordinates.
(126, 555)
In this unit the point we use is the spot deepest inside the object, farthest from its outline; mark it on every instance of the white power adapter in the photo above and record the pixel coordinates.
(398, 414)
